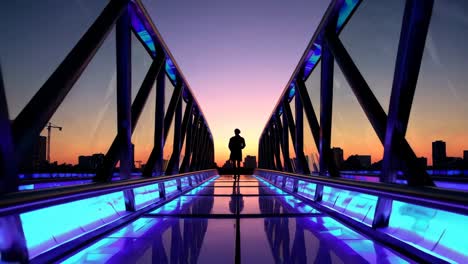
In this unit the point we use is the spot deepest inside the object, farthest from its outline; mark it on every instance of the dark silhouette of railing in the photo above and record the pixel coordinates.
(18, 136)
(327, 47)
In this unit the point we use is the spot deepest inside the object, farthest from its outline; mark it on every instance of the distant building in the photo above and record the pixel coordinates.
(465, 155)
(422, 162)
(91, 163)
(337, 154)
(250, 162)
(439, 153)
(36, 159)
(365, 160)
(228, 164)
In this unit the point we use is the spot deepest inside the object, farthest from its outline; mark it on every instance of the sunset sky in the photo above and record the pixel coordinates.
(237, 57)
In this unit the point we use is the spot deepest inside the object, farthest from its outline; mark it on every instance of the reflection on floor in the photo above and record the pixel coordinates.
(222, 218)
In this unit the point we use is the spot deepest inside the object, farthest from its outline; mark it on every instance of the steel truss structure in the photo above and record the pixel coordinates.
(327, 47)
(129, 17)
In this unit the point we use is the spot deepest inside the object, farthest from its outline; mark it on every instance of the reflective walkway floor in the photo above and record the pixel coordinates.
(222, 221)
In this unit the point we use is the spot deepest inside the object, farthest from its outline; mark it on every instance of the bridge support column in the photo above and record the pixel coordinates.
(169, 115)
(285, 147)
(410, 51)
(302, 166)
(372, 108)
(13, 245)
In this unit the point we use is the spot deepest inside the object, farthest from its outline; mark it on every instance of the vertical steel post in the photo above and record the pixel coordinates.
(413, 34)
(124, 101)
(276, 145)
(11, 229)
(33, 118)
(150, 164)
(159, 136)
(302, 166)
(172, 168)
(104, 173)
(286, 158)
(372, 107)
(188, 145)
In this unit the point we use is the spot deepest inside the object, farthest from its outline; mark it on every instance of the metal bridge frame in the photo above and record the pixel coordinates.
(18, 135)
(327, 47)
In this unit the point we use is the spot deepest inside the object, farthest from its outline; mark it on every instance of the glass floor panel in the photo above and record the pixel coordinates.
(308, 240)
(164, 240)
(200, 205)
(274, 205)
(206, 224)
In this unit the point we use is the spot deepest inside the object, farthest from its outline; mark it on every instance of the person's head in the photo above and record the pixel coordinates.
(236, 131)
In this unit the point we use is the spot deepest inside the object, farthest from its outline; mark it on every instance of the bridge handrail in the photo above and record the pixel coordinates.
(447, 200)
(19, 202)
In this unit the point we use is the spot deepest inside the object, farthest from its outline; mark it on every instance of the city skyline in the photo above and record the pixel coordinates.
(237, 57)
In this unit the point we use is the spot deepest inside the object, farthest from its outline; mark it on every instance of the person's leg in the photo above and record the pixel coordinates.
(238, 167)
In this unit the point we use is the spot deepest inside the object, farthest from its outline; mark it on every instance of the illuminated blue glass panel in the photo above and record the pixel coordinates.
(171, 187)
(279, 181)
(141, 31)
(171, 70)
(306, 189)
(292, 91)
(438, 232)
(51, 226)
(353, 204)
(345, 10)
(194, 179)
(185, 183)
(46, 185)
(313, 57)
(146, 195)
(289, 184)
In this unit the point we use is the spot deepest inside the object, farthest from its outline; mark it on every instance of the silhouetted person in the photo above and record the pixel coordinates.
(236, 144)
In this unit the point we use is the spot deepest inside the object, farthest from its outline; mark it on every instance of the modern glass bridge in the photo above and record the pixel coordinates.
(224, 221)
(179, 209)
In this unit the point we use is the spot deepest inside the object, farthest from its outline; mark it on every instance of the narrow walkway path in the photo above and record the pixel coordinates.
(249, 221)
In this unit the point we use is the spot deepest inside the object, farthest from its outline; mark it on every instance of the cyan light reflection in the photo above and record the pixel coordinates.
(346, 9)
(146, 195)
(353, 204)
(51, 226)
(140, 29)
(314, 56)
(292, 91)
(170, 187)
(438, 232)
(171, 70)
(102, 251)
(306, 189)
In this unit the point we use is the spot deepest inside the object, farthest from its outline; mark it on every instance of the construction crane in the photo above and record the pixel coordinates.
(49, 128)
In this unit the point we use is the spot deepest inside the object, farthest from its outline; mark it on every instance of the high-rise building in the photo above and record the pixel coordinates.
(365, 160)
(250, 162)
(91, 163)
(439, 154)
(337, 154)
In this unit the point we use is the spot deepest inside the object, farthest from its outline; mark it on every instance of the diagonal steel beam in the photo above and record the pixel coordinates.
(173, 164)
(371, 106)
(33, 118)
(410, 52)
(169, 115)
(111, 158)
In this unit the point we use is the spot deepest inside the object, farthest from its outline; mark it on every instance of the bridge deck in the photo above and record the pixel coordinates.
(226, 221)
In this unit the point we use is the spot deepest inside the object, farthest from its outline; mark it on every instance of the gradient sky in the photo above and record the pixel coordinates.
(237, 57)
